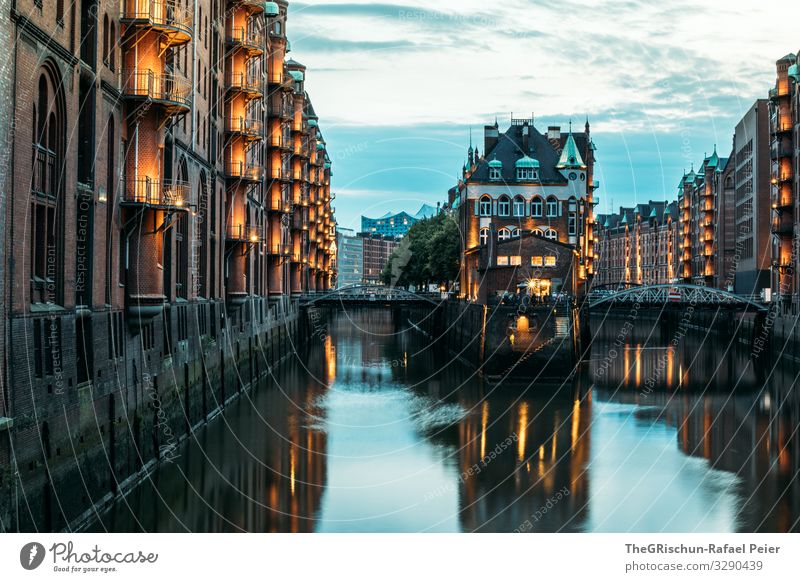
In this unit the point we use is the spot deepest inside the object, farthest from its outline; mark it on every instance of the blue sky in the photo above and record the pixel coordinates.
(398, 85)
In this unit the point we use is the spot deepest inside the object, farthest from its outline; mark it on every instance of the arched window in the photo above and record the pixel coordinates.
(485, 206)
(484, 236)
(552, 207)
(519, 206)
(503, 234)
(112, 47)
(504, 206)
(106, 32)
(551, 234)
(536, 207)
(46, 227)
(515, 233)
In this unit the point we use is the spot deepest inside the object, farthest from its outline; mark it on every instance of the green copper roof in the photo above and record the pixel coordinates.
(320, 146)
(605, 224)
(495, 164)
(624, 219)
(713, 161)
(666, 211)
(271, 9)
(312, 122)
(297, 75)
(794, 72)
(653, 214)
(570, 157)
(527, 162)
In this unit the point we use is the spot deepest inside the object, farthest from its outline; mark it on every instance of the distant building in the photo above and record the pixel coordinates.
(751, 222)
(638, 245)
(350, 258)
(396, 225)
(377, 250)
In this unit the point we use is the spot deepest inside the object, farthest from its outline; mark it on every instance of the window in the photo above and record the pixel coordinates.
(502, 261)
(572, 224)
(495, 171)
(105, 38)
(515, 233)
(504, 206)
(112, 47)
(515, 260)
(519, 206)
(536, 207)
(552, 207)
(537, 261)
(484, 236)
(486, 206)
(550, 261)
(524, 174)
(551, 234)
(503, 234)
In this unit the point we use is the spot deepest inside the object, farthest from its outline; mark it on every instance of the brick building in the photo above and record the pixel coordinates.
(376, 252)
(784, 125)
(170, 195)
(638, 245)
(705, 201)
(526, 182)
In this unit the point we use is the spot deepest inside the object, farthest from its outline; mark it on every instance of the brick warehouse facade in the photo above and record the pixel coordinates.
(170, 197)
(526, 182)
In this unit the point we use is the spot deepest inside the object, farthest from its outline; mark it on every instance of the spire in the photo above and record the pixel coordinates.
(570, 156)
(587, 124)
(470, 151)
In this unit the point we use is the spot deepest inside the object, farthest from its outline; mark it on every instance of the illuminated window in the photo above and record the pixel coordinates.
(502, 261)
(550, 261)
(515, 261)
(537, 262)
(536, 207)
(519, 206)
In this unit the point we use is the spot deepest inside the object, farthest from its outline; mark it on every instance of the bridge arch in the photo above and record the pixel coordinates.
(678, 294)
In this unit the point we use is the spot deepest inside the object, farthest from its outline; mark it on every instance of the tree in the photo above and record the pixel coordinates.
(429, 253)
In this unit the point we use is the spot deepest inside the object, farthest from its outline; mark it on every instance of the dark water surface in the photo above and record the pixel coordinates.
(376, 430)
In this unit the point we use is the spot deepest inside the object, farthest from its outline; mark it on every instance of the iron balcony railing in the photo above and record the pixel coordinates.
(240, 170)
(165, 87)
(244, 37)
(245, 82)
(245, 126)
(279, 250)
(149, 192)
(243, 233)
(164, 14)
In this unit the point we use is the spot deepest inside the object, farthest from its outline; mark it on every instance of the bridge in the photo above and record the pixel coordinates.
(370, 295)
(678, 295)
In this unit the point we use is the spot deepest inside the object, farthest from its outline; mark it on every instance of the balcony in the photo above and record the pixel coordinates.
(241, 233)
(170, 17)
(172, 92)
(250, 128)
(153, 193)
(252, 6)
(277, 205)
(276, 78)
(778, 92)
(279, 250)
(782, 224)
(248, 40)
(245, 83)
(248, 172)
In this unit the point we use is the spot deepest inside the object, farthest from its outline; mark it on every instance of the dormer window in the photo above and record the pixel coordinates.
(527, 174)
(495, 170)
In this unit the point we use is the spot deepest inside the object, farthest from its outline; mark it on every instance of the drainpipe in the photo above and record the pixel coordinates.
(197, 26)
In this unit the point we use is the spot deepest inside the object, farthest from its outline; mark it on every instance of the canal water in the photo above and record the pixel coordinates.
(374, 428)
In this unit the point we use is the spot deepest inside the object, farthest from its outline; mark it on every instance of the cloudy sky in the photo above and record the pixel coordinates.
(398, 85)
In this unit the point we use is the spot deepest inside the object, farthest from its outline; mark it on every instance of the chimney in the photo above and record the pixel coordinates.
(491, 135)
(554, 132)
(526, 139)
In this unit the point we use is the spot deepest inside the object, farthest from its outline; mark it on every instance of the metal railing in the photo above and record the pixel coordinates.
(252, 127)
(244, 170)
(243, 81)
(244, 36)
(148, 191)
(167, 13)
(146, 83)
(243, 232)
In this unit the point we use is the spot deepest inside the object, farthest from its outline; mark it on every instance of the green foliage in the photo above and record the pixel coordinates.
(429, 253)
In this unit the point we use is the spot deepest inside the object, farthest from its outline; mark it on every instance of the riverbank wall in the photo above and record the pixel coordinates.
(71, 448)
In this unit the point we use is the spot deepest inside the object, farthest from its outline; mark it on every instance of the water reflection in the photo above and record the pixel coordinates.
(376, 429)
